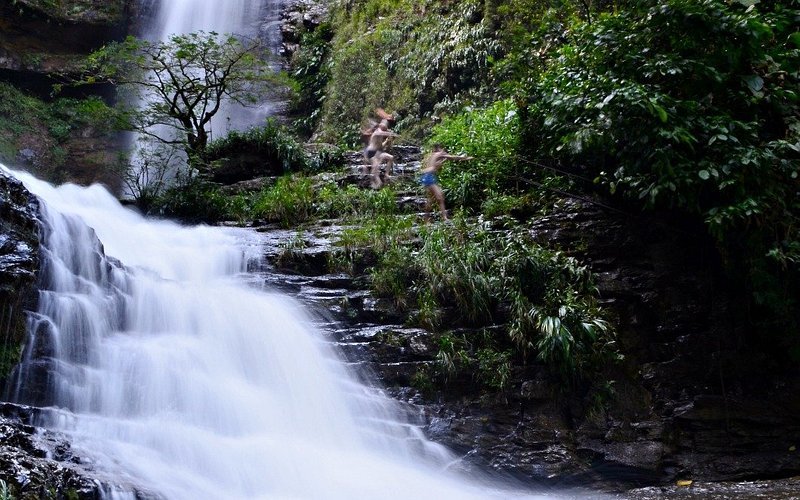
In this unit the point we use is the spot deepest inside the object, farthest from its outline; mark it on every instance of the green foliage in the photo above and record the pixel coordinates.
(191, 200)
(5, 492)
(26, 120)
(413, 57)
(390, 277)
(380, 232)
(289, 202)
(458, 354)
(479, 276)
(291, 250)
(421, 381)
(327, 158)
(453, 355)
(273, 143)
(311, 74)
(689, 105)
(10, 355)
(494, 368)
(489, 135)
(352, 203)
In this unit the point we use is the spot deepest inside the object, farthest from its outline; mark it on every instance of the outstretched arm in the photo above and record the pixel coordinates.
(458, 157)
(385, 133)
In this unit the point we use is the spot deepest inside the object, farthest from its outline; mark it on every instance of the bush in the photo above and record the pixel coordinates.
(272, 143)
(693, 106)
(489, 135)
(326, 159)
(289, 202)
(191, 200)
(311, 74)
(546, 301)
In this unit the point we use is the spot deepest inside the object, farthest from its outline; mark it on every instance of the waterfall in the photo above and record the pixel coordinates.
(173, 373)
(249, 18)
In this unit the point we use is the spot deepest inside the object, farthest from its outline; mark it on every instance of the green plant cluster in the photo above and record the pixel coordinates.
(272, 144)
(193, 200)
(289, 201)
(491, 136)
(311, 74)
(292, 200)
(470, 274)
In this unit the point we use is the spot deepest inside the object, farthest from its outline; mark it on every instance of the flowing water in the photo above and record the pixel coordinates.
(175, 376)
(252, 19)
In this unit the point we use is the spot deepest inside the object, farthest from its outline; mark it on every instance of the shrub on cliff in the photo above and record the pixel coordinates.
(471, 274)
(271, 144)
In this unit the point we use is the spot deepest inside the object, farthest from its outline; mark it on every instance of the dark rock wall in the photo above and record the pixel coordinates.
(698, 395)
(19, 264)
(49, 37)
(693, 397)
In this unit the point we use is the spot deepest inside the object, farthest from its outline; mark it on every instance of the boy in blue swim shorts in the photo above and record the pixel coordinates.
(430, 167)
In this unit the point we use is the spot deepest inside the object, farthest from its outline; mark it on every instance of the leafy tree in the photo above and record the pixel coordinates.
(689, 105)
(175, 87)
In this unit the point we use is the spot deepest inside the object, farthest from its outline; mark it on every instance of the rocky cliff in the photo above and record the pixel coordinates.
(43, 43)
(19, 265)
(696, 396)
(45, 37)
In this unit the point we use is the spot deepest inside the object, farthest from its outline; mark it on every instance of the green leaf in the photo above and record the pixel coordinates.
(704, 174)
(660, 112)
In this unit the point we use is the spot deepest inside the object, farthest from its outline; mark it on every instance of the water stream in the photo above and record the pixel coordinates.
(175, 376)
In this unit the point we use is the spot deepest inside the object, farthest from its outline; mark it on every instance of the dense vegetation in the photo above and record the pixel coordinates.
(640, 105)
(689, 107)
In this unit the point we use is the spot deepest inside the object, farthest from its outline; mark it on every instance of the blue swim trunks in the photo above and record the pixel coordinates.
(428, 179)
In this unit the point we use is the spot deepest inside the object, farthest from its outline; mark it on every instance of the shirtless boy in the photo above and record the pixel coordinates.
(431, 166)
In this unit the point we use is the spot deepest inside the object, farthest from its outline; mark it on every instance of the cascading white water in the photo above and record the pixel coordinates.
(186, 16)
(178, 378)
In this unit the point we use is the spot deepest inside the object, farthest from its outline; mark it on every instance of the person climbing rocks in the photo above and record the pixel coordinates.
(378, 142)
(428, 178)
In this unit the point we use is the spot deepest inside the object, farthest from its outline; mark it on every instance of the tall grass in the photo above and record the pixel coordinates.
(289, 202)
(471, 274)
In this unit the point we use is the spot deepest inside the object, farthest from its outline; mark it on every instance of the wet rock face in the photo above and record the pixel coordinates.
(24, 465)
(37, 464)
(299, 17)
(692, 400)
(43, 42)
(19, 263)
